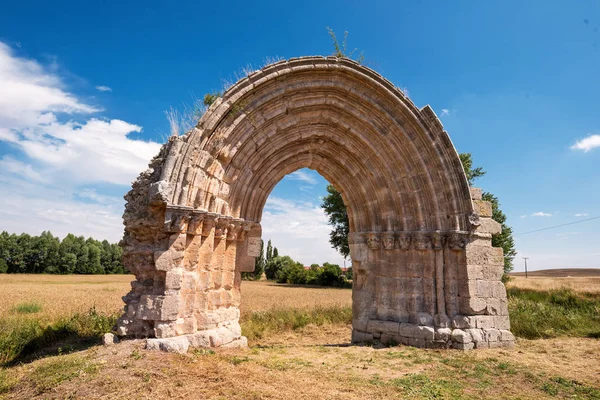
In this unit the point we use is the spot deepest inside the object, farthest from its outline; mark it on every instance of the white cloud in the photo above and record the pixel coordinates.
(303, 176)
(445, 112)
(541, 214)
(587, 143)
(54, 149)
(32, 102)
(581, 215)
(300, 230)
(104, 88)
(523, 216)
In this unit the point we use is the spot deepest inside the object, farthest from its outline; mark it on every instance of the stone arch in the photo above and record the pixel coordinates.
(420, 241)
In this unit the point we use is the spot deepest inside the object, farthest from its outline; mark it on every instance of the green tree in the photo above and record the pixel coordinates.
(503, 239)
(275, 252)
(269, 255)
(472, 173)
(334, 207)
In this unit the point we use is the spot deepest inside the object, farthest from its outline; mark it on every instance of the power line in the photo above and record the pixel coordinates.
(557, 226)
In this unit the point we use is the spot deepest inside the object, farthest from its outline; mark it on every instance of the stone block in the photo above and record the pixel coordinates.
(416, 331)
(388, 327)
(502, 322)
(491, 335)
(221, 336)
(488, 225)
(472, 305)
(463, 322)
(173, 280)
(108, 339)
(460, 336)
(476, 335)
(179, 344)
(463, 346)
(441, 321)
(168, 260)
(476, 193)
(506, 335)
(483, 208)
(422, 318)
(484, 321)
(443, 334)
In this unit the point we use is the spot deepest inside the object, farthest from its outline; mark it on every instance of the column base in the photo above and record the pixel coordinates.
(389, 332)
(211, 338)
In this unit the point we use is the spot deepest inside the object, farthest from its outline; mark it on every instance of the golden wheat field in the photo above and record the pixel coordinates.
(64, 295)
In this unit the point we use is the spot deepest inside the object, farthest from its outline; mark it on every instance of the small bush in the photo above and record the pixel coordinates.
(27, 308)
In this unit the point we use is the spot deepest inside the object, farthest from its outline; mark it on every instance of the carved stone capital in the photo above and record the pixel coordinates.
(209, 222)
(438, 240)
(176, 219)
(195, 223)
(373, 240)
(389, 240)
(221, 226)
(421, 241)
(234, 228)
(457, 241)
(404, 240)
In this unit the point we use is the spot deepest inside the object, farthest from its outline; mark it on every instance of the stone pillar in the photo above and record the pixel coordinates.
(194, 294)
(450, 284)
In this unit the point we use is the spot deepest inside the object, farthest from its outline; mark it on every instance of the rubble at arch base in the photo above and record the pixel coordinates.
(424, 270)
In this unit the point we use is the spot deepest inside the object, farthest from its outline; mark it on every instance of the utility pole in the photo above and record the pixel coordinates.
(525, 258)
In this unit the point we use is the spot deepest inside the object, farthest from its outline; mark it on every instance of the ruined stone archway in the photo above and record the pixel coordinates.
(420, 242)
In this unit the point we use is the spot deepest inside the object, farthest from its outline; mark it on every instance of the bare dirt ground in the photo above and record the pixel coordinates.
(316, 363)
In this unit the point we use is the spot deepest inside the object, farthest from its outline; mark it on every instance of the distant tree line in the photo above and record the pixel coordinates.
(47, 254)
(283, 269)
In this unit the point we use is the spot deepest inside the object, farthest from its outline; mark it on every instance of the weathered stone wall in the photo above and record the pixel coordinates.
(425, 271)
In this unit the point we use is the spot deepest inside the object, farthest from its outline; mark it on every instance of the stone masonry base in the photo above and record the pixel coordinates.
(218, 337)
(389, 332)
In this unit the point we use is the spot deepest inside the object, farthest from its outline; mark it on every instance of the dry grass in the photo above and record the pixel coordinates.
(308, 363)
(316, 363)
(578, 284)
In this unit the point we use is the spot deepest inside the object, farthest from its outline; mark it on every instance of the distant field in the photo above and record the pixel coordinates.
(64, 295)
(562, 273)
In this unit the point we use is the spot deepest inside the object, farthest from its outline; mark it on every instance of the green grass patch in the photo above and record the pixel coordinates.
(27, 308)
(553, 313)
(255, 325)
(22, 337)
(54, 371)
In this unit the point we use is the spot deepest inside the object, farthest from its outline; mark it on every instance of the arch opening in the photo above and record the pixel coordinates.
(192, 221)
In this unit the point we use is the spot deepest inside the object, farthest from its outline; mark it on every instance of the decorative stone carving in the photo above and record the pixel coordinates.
(214, 181)
(457, 241)
(373, 240)
(210, 219)
(437, 239)
(388, 240)
(404, 241)
(422, 241)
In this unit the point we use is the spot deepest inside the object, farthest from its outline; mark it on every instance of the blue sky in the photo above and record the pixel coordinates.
(83, 90)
